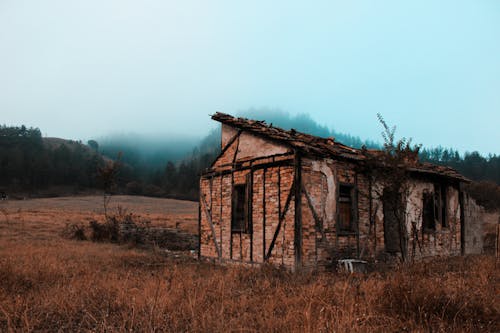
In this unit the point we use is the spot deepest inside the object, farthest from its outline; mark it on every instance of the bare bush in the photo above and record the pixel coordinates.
(121, 227)
(74, 231)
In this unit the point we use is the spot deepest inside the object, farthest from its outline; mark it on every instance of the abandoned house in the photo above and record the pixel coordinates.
(301, 201)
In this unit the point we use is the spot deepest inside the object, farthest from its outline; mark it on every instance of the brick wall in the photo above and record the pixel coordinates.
(271, 179)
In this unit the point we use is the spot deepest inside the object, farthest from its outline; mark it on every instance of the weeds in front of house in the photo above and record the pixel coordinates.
(76, 286)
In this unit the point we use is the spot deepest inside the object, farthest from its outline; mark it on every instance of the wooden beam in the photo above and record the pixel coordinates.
(223, 150)
(220, 212)
(264, 214)
(250, 211)
(279, 212)
(199, 223)
(209, 218)
(250, 162)
(317, 219)
(231, 217)
(298, 210)
(281, 217)
(236, 150)
(356, 212)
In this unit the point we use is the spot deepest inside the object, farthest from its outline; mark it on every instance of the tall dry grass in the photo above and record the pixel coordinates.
(75, 286)
(52, 284)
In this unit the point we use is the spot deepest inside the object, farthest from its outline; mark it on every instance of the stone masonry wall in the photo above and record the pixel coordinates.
(323, 246)
(473, 226)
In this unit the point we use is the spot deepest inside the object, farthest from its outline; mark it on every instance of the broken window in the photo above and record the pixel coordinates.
(346, 208)
(428, 212)
(240, 220)
(435, 208)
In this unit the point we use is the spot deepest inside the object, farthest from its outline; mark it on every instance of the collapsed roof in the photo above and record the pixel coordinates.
(323, 147)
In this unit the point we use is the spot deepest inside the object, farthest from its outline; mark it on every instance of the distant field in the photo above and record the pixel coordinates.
(45, 218)
(48, 283)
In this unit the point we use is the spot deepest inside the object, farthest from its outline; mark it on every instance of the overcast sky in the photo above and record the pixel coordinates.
(82, 69)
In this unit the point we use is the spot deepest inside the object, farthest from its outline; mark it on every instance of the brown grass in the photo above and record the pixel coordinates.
(48, 283)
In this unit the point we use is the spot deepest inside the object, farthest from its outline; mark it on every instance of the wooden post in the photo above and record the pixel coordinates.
(298, 211)
(497, 254)
(199, 221)
(209, 219)
(281, 217)
(264, 214)
(250, 211)
(220, 216)
(356, 213)
(231, 216)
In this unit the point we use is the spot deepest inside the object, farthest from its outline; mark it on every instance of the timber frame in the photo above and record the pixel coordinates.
(292, 183)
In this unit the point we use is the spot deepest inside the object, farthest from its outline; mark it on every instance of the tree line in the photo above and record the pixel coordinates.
(30, 163)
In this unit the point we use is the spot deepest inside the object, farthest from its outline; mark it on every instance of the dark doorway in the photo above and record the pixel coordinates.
(393, 214)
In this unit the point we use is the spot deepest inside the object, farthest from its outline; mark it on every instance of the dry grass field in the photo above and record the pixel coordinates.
(48, 283)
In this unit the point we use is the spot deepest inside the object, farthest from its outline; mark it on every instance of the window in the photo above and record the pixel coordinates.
(240, 209)
(435, 208)
(443, 217)
(428, 212)
(346, 208)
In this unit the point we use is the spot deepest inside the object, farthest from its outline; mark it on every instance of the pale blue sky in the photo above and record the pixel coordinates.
(81, 69)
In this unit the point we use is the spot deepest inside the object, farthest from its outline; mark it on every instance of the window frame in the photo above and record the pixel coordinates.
(443, 207)
(428, 221)
(352, 229)
(245, 225)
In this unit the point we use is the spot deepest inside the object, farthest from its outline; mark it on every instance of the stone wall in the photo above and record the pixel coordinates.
(444, 240)
(323, 246)
(165, 238)
(473, 226)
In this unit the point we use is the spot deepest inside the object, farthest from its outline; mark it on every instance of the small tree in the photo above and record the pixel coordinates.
(107, 175)
(388, 169)
(93, 144)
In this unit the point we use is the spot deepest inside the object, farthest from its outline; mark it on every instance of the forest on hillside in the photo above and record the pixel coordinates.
(29, 162)
(32, 164)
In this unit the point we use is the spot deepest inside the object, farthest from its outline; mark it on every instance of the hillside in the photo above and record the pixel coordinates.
(30, 163)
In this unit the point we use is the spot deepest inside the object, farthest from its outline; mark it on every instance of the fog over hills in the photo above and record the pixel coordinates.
(155, 151)
(169, 166)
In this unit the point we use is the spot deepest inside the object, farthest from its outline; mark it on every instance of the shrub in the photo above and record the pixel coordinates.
(104, 231)
(74, 231)
(121, 227)
(134, 188)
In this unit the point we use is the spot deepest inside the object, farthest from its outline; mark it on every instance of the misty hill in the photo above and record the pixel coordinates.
(170, 166)
(304, 123)
(148, 151)
(142, 151)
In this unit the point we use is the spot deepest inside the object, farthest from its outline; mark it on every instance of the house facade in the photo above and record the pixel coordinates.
(300, 201)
